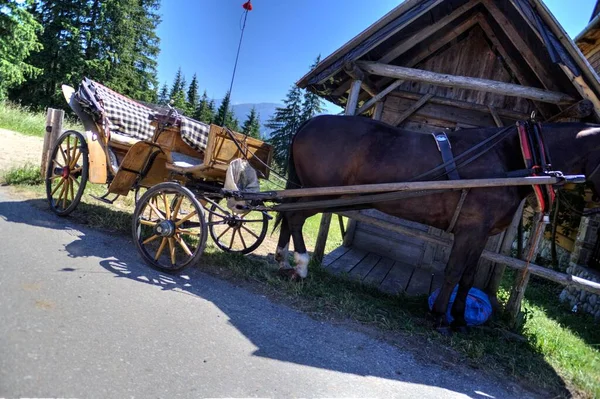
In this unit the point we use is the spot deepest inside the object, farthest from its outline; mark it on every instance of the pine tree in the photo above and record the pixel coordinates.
(163, 95)
(312, 104)
(225, 116)
(18, 39)
(192, 96)
(177, 84)
(284, 124)
(251, 126)
(177, 94)
(205, 112)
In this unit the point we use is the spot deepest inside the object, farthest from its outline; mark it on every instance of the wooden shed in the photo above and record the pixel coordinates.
(431, 65)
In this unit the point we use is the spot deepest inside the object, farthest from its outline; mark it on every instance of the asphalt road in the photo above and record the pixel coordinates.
(81, 316)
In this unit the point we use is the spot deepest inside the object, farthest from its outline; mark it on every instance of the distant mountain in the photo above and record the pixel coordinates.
(265, 111)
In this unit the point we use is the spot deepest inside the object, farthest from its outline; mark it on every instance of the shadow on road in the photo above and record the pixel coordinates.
(254, 316)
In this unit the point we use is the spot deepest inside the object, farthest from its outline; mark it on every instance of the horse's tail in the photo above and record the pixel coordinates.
(293, 181)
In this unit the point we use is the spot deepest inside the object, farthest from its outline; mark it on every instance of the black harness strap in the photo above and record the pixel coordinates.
(443, 145)
(445, 148)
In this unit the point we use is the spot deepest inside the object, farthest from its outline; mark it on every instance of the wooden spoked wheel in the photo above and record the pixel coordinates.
(169, 228)
(67, 173)
(237, 233)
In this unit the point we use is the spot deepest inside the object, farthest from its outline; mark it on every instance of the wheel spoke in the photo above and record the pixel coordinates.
(167, 207)
(66, 187)
(187, 217)
(155, 209)
(241, 238)
(232, 239)
(249, 231)
(172, 250)
(62, 152)
(184, 246)
(160, 249)
(154, 237)
(187, 232)
(55, 177)
(223, 233)
(60, 196)
(72, 190)
(68, 160)
(57, 187)
(74, 180)
(75, 148)
(74, 162)
(177, 207)
(148, 223)
(57, 163)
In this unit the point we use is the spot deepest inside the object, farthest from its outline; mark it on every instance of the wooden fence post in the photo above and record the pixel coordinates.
(513, 306)
(54, 121)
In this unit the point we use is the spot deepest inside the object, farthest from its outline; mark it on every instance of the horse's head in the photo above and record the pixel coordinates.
(585, 155)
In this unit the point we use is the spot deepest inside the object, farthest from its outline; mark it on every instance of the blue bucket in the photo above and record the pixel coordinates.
(478, 308)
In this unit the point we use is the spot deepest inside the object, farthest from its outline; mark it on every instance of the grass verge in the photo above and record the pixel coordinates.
(556, 351)
(29, 175)
(23, 120)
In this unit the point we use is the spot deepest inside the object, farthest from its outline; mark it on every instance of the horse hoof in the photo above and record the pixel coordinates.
(461, 329)
(445, 331)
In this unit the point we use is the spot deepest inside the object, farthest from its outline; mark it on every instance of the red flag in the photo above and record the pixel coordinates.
(247, 5)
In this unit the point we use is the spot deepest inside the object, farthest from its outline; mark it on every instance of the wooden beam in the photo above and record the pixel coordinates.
(513, 306)
(505, 249)
(379, 96)
(357, 74)
(463, 105)
(378, 110)
(363, 36)
(353, 98)
(583, 89)
(544, 272)
(54, 121)
(520, 45)
(402, 117)
(464, 82)
(578, 110)
(496, 117)
(425, 33)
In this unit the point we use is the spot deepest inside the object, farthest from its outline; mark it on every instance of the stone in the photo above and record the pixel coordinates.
(597, 316)
(593, 299)
(564, 295)
(582, 296)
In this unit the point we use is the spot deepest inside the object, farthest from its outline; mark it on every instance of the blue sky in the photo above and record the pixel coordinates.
(281, 40)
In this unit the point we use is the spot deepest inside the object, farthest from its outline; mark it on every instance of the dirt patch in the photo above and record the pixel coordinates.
(18, 149)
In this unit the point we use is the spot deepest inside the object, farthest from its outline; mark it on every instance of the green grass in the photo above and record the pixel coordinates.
(555, 348)
(23, 120)
(28, 174)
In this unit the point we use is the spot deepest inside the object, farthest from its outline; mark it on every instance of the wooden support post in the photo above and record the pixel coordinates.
(326, 217)
(413, 108)
(379, 97)
(378, 111)
(465, 82)
(54, 121)
(579, 110)
(513, 307)
(495, 116)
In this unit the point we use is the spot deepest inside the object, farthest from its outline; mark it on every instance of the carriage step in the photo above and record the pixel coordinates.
(104, 199)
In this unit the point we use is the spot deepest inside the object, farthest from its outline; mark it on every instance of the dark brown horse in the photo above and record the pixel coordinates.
(347, 150)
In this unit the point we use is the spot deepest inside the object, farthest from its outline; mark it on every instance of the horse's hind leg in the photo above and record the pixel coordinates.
(281, 253)
(468, 246)
(477, 246)
(301, 258)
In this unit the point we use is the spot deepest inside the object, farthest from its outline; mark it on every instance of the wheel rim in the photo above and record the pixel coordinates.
(237, 233)
(169, 228)
(67, 173)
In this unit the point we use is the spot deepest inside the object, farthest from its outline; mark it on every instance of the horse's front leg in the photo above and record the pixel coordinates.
(281, 253)
(466, 249)
(301, 257)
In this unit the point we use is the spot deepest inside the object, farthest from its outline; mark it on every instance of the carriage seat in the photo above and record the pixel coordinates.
(185, 161)
(122, 139)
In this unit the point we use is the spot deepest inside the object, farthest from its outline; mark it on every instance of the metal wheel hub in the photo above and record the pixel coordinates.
(165, 228)
(234, 221)
(65, 172)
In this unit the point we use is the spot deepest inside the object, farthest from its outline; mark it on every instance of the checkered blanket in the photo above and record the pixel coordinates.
(130, 118)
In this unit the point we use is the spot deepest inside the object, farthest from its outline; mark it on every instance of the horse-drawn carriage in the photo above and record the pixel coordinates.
(130, 146)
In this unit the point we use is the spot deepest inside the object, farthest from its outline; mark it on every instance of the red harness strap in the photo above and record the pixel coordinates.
(544, 201)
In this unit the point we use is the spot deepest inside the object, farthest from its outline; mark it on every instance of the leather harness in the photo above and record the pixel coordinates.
(537, 162)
